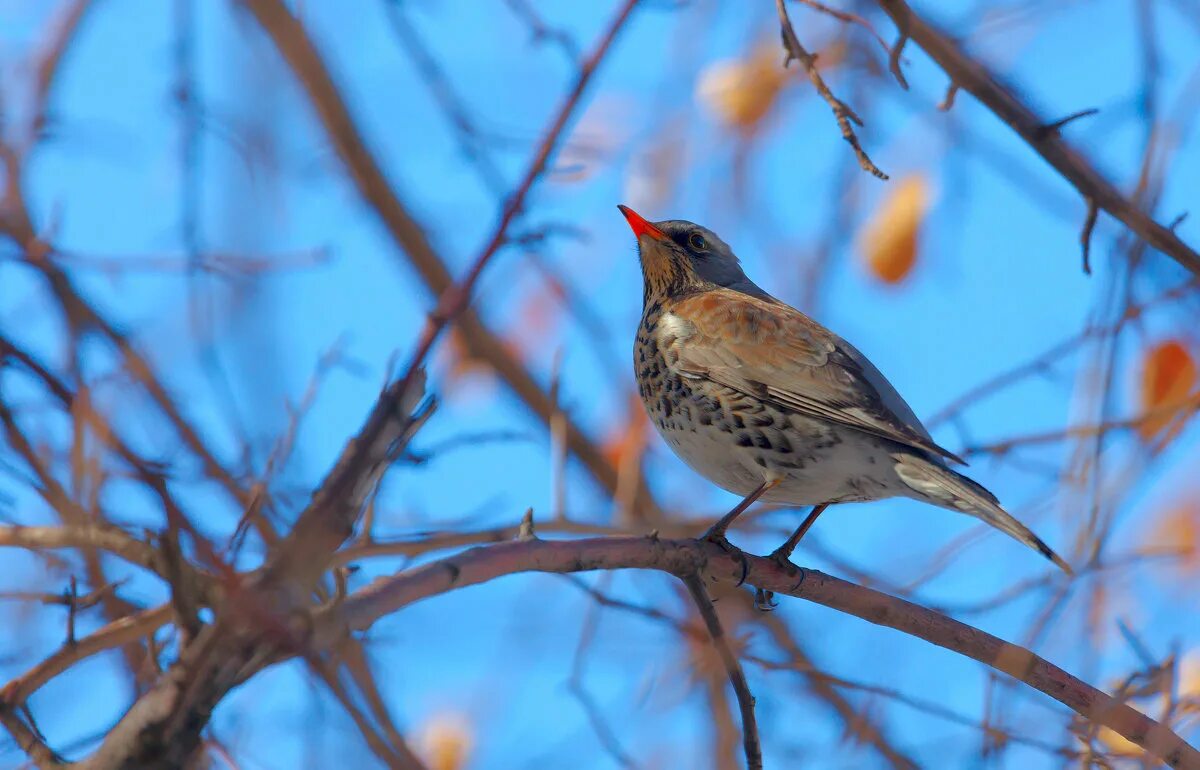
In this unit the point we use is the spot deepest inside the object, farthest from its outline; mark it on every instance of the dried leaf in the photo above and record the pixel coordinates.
(1179, 531)
(742, 92)
(1168, 377)
(445, 741)
(889, 239)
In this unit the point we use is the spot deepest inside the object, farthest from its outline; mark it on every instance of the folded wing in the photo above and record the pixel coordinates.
(764, 348)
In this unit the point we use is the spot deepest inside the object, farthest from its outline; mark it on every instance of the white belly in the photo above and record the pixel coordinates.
(825, 464)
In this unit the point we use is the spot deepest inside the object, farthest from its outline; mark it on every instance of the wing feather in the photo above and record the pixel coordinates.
(766, 349)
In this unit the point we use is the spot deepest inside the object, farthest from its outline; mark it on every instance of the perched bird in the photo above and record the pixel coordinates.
(767, 403)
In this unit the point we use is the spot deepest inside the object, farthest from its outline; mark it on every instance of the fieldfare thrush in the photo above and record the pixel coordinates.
(768, 404)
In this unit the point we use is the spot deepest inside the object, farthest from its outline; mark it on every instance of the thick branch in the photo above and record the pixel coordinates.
(684, 557)
(329, 519)
(1001, 99)
(99, 536)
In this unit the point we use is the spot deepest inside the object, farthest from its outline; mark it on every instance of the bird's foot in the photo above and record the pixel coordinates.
(783, 557)
(717, 537)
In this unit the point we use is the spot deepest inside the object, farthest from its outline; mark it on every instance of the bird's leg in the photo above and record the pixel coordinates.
(765, 600)
(783, 553)
(716, 533)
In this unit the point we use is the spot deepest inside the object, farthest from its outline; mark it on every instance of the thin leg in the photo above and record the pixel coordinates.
(784, 552)
(716, 533)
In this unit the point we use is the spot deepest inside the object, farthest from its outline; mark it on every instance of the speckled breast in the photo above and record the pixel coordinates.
(737, 441)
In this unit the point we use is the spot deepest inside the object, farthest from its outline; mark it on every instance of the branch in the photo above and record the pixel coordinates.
(685, 557)
(1001, 99)
(28, 740)
(841, 111)
(733, 667)
(117, 633)
(105, 537)
(49, 60)
(293, 43)
(859, 721)
(329, 519)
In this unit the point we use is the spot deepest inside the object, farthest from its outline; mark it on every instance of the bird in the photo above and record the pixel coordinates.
(768, 404)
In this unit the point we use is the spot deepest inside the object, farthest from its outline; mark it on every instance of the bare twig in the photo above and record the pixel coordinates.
(1085, 235)
(329, 519)
(50, 58)
(577, 686)
(733, 668)
(1058, 124)
(289, 36)
(90, 536)
(969, 74)
(894, 59)
(849, 18)
(841, 111)
(116, 633)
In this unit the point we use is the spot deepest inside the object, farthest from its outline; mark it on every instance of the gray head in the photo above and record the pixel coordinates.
(675, 252)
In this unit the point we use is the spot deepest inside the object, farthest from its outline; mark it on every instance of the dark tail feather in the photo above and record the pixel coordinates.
(950, 489)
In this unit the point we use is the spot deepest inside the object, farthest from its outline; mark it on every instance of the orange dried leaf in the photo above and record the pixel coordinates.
(741, 92)
(1168, 378)
(445, 741)
(888, 241)
(1179, 531)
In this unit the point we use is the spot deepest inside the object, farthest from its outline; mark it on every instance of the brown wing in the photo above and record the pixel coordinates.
(771, 351)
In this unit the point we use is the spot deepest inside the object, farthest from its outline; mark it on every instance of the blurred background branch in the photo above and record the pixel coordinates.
(225, 543)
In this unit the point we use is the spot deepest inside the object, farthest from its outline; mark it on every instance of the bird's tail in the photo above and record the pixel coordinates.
(942, 486)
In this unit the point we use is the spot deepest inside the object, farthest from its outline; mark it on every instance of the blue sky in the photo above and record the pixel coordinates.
(998, 279)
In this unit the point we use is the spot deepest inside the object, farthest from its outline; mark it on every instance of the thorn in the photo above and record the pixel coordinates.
(340, 583)
(1050, 128)
(1085, 236)
(526, 531)
(72, 596)
(948, 99)
(894, 60)
(1177, 221)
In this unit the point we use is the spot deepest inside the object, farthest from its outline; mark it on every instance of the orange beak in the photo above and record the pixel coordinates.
(640, 226)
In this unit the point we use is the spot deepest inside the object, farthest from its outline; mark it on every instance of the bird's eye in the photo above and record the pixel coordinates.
(696, 241)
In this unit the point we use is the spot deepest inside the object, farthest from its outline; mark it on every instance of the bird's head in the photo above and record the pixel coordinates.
(678, 256)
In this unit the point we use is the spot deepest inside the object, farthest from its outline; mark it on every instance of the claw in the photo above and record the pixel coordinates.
(780, 557)
(718, 539)
(764, 600)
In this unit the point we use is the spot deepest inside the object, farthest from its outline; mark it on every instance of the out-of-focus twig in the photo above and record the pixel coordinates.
(289, 36)
(972, 76)
(733, 668)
